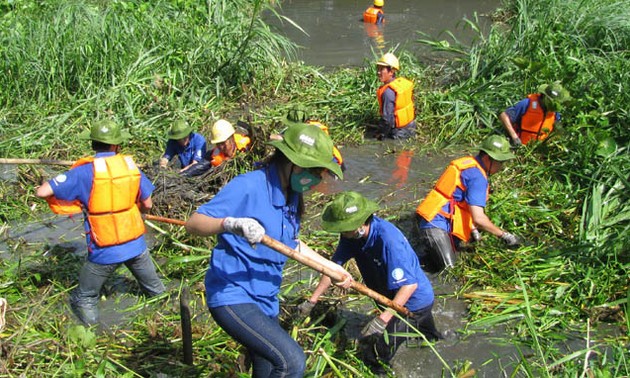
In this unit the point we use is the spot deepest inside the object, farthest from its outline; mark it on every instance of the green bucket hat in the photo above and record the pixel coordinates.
(106, 131)
(307, 146)
(179, 130)
(497, 147)
(555, 92)
(297, 114)
(347, 212)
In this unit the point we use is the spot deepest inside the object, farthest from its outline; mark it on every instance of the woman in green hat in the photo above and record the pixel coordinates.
(189, 147)
(244, 277)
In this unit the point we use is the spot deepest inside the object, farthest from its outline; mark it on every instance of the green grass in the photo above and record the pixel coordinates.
(145, 63)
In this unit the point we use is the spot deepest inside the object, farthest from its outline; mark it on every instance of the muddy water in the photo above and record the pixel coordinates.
(337, 36)
(398, 178)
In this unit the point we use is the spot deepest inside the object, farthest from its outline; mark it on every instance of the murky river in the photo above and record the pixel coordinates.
(383, 171)
(387, 172)
(334, 34)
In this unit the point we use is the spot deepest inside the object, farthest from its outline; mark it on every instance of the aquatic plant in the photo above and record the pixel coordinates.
(145, 62)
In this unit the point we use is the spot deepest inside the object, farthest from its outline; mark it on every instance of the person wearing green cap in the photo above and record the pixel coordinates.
(243, 279)
(388, 265)
(534, 117)
(112, 192)
(189, 147)
(453, 211)
(299, 114)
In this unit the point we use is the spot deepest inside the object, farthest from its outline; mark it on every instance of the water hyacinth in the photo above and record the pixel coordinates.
(67, 63)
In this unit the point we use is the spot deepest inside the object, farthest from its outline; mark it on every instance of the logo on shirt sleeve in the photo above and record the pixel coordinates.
(398, 274)
(60, 179)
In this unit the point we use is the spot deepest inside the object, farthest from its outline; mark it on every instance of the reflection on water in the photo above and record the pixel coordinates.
(336, 34)
(387, 172)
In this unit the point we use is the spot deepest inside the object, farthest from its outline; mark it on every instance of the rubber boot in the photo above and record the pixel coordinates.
(88, 315)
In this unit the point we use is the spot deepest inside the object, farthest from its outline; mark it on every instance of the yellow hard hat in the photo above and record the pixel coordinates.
(389, 60)
(221, 131)
(379, 3)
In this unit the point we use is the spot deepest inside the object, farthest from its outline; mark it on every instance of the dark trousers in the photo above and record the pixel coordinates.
(85, 298)
(272, 350)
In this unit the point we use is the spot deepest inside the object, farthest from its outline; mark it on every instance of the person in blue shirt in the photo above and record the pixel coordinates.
(189, 147)
(453, 211)
(534, 117)
(388, 265)
(243, 279)
(113, 224)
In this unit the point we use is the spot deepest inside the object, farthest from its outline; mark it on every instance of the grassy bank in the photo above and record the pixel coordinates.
(145, 63)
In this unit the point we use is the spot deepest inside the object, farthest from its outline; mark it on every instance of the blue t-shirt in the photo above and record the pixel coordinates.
(76, 184)
(387, 262)
(239, 273)
(476, 185)
(516, 112)
(194, 151)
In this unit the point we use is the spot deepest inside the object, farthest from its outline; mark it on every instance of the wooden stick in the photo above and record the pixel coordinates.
(36, 161)
(336, 276)
(184, 310)
(292, 253)
(164, 220)
(42, 161)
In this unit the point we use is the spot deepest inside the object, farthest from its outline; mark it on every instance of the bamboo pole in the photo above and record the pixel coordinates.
(36, 161)
(43, 162)
(292, 253)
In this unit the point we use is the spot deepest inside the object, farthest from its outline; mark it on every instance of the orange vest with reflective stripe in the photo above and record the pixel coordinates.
(336, 153)
(536, 124)
(371, 15)
(442, 193)
(112, 211)
(218, 157)
(404, 111)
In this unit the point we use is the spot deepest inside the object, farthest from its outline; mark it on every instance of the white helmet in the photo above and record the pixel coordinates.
(221, 131)
(389, 60)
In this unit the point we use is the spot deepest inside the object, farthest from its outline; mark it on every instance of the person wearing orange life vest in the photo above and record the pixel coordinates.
(395, 100)
(534, 117)
(374, 14)
(227, 142)
(112, 193)
(298, 114)
(454, 208)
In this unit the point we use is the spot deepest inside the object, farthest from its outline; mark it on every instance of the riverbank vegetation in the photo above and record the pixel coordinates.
(146, 63)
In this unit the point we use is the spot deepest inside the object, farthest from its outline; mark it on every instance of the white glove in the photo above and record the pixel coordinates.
(510, 239)
(475, 235)
(376, 326)
(517, 142)
(305, 308)
(248, 228)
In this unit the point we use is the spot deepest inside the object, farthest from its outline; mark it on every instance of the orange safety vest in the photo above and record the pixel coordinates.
(536, 124)
(371, 15)
(217, 157)
(403, 110)
(442, 193)
(112, 211)
(336, 153)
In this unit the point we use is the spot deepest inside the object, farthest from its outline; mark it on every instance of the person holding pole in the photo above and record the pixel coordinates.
(112, 193)
(244, 275)
(388, 265)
